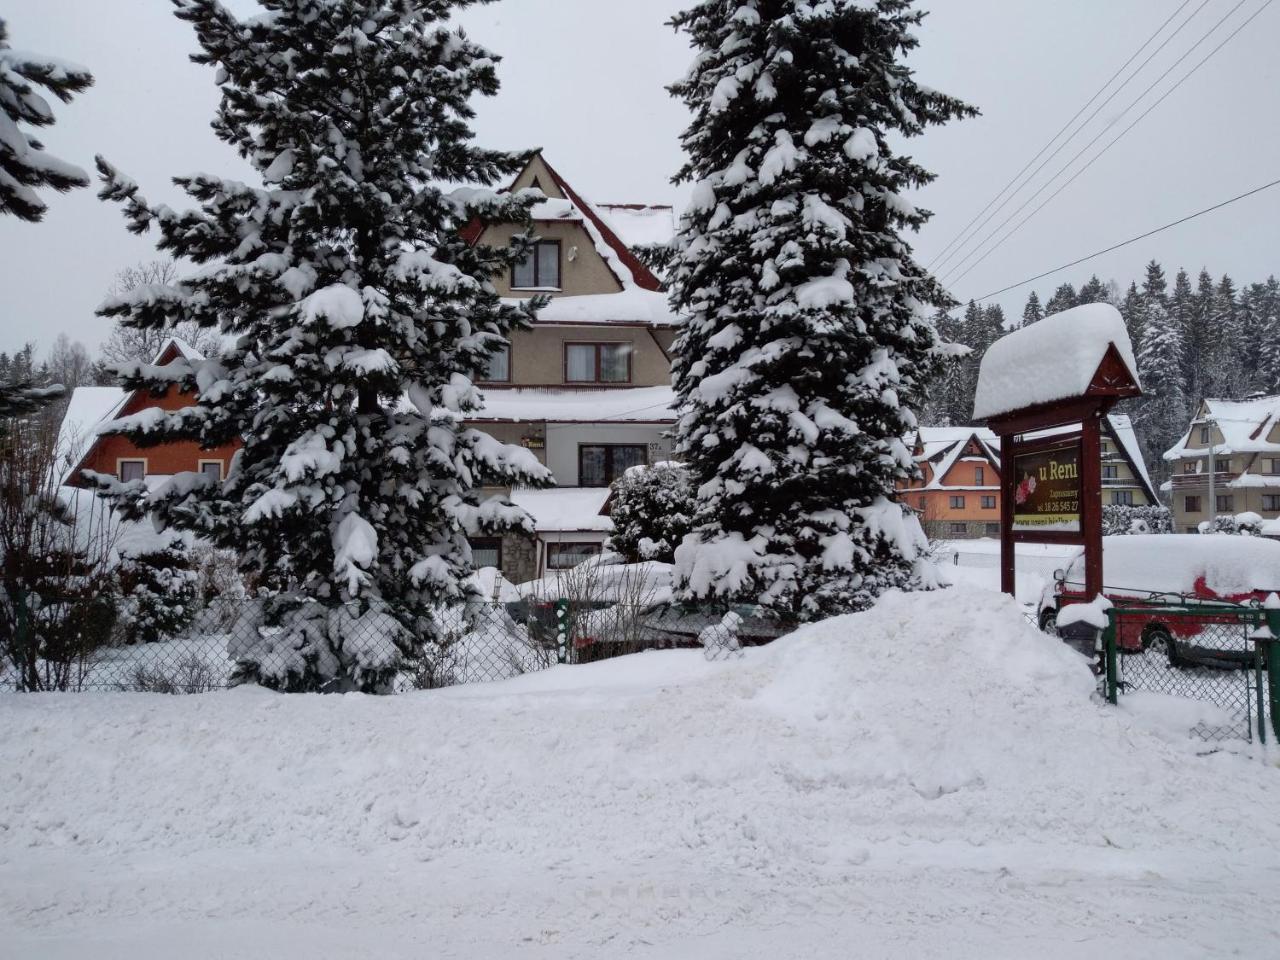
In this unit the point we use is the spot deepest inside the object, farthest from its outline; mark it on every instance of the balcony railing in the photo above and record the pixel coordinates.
(1184, 481)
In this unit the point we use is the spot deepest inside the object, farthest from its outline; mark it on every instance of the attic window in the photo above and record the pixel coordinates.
(130, 470)
(1204, 435)
(540, 269)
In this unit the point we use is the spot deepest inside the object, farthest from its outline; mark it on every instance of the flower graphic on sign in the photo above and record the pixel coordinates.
(1025, 488)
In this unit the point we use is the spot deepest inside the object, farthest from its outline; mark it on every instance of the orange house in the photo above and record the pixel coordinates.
(81, 447)
(958, 494)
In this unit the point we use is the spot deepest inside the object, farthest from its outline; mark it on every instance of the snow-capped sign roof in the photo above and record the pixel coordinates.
(1080, 352)
(565, 509)
(635, 404)
(1246, 426)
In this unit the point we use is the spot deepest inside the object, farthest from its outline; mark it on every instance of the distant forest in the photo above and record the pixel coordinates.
(1193, 340)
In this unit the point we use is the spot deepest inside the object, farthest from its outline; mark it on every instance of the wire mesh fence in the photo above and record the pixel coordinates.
(67, 644)
(1198, 655)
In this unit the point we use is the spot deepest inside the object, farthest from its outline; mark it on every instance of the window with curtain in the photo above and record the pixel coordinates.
(499, 369)
(540, 269)
(597, 362)
(562, 556)
(486, 552)
(132, 470)
(211, 468)
(599, 464)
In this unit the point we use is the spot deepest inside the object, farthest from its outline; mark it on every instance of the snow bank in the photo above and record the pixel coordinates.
(935, 762)
(1050, 360)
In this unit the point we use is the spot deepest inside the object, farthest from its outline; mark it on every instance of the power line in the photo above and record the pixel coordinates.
(942, 256)
(1125, 243)
(990, 250)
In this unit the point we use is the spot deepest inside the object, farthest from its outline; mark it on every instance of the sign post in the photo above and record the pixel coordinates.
(1051, 438)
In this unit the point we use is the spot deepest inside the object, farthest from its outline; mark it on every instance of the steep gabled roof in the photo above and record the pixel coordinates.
(941, 447)
(1121, 429)
(1244, 425)
(90, 408)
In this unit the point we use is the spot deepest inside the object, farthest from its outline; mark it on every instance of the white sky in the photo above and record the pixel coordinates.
(584, 79)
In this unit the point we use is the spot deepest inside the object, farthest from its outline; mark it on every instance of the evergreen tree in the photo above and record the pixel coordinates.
(1032, 312)
(1198, 336)
(1162, 410)
(806, 343)
(24, 164)
(360, 317)
(1133, 309)
(1094, 291)
(1064, 298)
(1268, 343)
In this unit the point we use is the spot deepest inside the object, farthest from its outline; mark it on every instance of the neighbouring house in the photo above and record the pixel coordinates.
(81, 447)
(1241, 439)
(588, 389)
(958, 495)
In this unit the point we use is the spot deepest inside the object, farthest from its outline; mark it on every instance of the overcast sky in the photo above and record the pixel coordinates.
(584, 79)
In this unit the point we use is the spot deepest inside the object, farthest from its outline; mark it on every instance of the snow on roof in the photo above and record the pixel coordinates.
(87, 409)
(1244, 425)
(632, 305)
(639, 224)
(1053, 359)
(943, 446)
(635, 404)
(1122, 428)
(563, 509)
(187, 351)
(1173, 562)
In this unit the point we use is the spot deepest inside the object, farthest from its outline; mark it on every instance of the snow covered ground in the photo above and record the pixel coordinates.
(931, 778)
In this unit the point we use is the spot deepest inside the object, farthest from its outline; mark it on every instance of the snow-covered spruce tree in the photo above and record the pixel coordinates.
(358, 318)
(806, 342)
(24, 165)
(652, 511)
(1032, 312)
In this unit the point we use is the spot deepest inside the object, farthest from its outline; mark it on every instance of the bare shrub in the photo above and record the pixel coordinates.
(190, 674)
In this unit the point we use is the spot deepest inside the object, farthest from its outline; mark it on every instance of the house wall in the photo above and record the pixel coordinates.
(163, 460)
(537, 356)
(563, 440)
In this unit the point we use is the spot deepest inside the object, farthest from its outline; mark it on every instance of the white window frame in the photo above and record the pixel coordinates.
(121, 461)
(222, 467)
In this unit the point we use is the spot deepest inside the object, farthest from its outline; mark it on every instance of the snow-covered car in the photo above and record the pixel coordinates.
(1161, 579)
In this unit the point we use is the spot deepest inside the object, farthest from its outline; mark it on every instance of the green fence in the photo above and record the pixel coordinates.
(1224, 656)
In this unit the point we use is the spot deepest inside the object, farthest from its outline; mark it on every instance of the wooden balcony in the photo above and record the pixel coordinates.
(1200, 481)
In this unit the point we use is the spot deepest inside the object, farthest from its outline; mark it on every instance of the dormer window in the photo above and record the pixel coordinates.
(540, 269)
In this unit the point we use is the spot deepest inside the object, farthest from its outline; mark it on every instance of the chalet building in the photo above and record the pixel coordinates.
(958, 496)
(81, 447)
(588, 389)
(1238, 441)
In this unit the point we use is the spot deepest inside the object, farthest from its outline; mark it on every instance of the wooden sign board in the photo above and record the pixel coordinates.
(1046, 486)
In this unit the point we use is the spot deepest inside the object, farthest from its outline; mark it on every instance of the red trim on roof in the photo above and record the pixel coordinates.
(642, 275)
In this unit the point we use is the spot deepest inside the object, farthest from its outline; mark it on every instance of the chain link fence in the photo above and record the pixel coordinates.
(1204, 658)
(74, 643)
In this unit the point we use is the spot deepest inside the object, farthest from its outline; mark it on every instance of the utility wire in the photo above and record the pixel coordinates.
(942, 255)
(1125, 243)
(990, 250)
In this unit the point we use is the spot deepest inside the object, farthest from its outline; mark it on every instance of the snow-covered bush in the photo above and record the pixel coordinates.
(807, 343)
(652, 511)
(1247, 524)
(159, 591)
(1119, 519)
(356, 317)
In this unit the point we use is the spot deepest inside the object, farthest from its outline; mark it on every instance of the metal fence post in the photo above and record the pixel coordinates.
(1109, 648)
(562, 630)
(1269, 656)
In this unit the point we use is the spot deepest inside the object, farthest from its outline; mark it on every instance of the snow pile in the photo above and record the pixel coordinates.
(920, 760)
(1183, 562)
(1053, 359)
